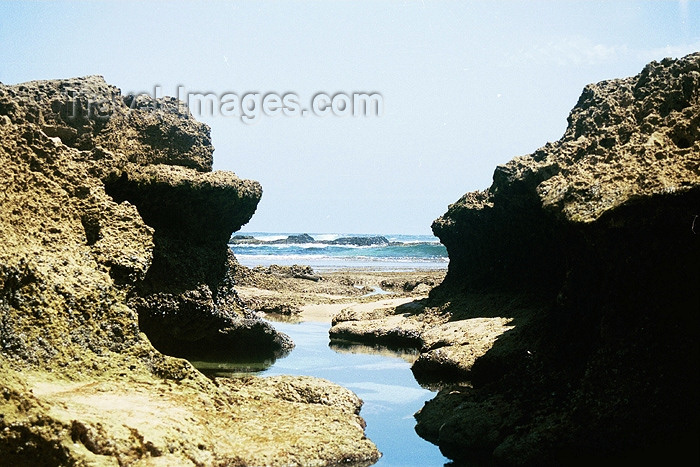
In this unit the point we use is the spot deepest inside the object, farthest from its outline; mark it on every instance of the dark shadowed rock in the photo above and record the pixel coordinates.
(186, 303)
(599, 227)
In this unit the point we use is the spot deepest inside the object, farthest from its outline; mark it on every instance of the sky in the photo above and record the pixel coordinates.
(464, 86)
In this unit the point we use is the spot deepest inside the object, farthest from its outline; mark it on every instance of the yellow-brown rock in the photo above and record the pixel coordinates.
(110, 215)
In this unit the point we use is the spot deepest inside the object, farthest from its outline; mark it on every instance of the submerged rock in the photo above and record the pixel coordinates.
(600, 228)
(112, 223)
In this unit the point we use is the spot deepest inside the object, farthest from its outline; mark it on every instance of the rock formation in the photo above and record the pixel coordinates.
(158, 160)
(571, 302)
(602, 229)
(113, 224)
(186, 302)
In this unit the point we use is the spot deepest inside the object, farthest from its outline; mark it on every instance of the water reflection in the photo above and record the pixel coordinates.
(280, 318)
(232, 369)
(349, 347)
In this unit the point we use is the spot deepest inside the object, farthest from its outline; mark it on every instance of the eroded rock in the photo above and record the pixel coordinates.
(112, 223)
(597, 227)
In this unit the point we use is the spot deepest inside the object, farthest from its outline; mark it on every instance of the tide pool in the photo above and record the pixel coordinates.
(383, 380)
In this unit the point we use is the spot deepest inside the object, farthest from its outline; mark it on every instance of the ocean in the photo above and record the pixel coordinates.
(332, 252)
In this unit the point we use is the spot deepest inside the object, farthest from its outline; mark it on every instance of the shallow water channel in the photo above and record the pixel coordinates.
(381, 378)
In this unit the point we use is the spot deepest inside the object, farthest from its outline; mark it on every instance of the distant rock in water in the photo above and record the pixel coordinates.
(600, 228)
(303, 238)
(291, 239)
(359, 241)
(244, 239)
(306, 238)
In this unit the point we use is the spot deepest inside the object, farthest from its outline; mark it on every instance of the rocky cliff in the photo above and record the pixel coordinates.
(112, 224)
(141, 199)
(600, 231)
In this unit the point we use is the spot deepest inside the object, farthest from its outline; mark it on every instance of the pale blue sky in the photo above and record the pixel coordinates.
(466, 86)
